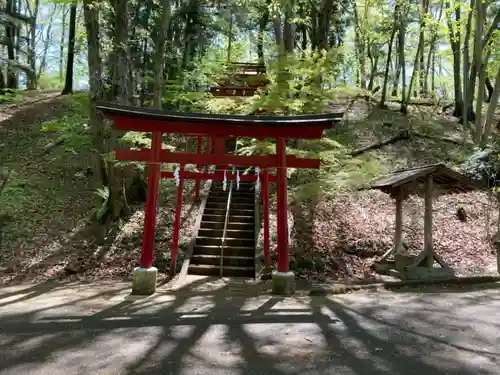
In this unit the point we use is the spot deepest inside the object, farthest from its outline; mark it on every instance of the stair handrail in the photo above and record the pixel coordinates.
(226, 220)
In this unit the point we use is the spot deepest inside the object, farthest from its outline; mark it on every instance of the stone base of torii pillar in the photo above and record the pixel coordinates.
(283, 282)
(144, 281)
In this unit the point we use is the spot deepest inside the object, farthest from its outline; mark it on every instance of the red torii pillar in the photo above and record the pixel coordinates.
(142, 275)
(283, 279)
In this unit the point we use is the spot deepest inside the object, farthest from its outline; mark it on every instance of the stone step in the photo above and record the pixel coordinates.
(237, 251)
(231, 225)
(232, 218)
(246, 242)
(229, 271)
(233, 233)
(236, 194)
(220, 199)
(232, 261)
(232, 211)
(223, 204)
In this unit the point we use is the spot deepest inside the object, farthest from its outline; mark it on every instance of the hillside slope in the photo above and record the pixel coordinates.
(50, 195)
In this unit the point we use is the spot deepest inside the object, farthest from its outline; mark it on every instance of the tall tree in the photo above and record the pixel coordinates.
(418, 56)
(454, 37)
(389, 56)
(91, 14)
(161, 28)
(64, 16)
(68, 83)
(402, 33)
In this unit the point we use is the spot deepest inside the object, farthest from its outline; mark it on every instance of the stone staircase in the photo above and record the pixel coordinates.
(238, 255)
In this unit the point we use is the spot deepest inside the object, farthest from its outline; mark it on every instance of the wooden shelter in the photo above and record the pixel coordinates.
(244, 79)
(429, 181)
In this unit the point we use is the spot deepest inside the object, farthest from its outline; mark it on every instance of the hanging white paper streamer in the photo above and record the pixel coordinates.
(176, 176)
(224, 183)
(257, 183)
(237, 180)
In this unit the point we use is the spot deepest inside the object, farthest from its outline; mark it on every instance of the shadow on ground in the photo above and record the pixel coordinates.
(214, 326)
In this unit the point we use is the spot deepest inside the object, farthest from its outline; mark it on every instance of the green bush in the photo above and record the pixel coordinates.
(48, 81)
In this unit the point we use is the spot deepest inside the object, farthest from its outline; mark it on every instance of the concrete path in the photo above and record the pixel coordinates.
(213, 329)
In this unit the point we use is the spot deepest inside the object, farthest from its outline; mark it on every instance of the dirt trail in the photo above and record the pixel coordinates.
(9, 110)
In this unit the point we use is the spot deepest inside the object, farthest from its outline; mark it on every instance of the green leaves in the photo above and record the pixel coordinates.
(51, 127)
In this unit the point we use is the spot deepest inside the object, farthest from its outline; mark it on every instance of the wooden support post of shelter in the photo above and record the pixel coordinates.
(428, 245)
(216, 128)
(428, 181)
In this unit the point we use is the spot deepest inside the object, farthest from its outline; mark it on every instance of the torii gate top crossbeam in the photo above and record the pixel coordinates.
(202, 124)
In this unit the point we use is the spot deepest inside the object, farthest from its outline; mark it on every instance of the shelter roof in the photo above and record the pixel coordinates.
(446, 179)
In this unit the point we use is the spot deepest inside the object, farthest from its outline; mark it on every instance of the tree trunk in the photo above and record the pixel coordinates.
(32, 45)
(314, 27)
(159, 65)
(474, 68)
(402, 32)
(123, 95)
(360, 47)
(264, 20)
(454, 36)
(421, 69)
(2, 81)
(61, 45)
(418, 56)
(373, 67)
(389, 56)
(489, 87)
(433, 75)
(68, 84)
(230, 36)
(18, 40)
(91, 17)
(397, 73)
(11, 36)
(478, 63)
(467, 109)
(324, 20)
(278, 34)
(431, 55)
(46, 45)
(479, 105)
(303, 33)
(289, 29)
(122, 77)
(144, 74)
(488, 123)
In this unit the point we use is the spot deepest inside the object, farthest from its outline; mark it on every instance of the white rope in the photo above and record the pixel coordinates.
(237, 179)
(257, 183)
(176, 176)
(224, 183)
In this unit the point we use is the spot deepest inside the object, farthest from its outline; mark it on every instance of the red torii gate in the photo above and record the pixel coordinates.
(216, 128)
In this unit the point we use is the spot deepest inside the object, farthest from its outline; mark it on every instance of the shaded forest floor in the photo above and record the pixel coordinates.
(45, 207)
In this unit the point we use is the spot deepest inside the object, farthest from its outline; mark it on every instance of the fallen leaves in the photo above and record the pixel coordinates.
(350, 231)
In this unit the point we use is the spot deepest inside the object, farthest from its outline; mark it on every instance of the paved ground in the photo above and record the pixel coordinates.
(200, 329)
